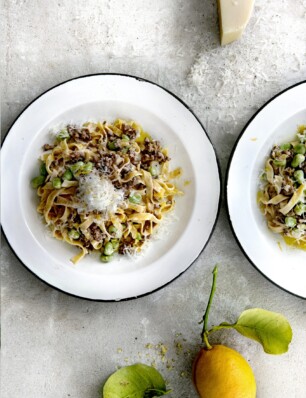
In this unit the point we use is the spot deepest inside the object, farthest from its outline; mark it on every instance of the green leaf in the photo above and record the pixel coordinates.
(135, 381)
(270, 329)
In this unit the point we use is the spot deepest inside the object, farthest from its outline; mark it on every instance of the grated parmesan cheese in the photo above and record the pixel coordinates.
(236, 79)
(98, 193)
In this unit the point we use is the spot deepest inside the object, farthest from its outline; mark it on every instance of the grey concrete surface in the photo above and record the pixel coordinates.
(58, 346)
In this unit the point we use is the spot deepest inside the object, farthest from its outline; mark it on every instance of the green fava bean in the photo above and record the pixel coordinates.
(135, 198)
(290, 222)
(300, 149)
(286, 147)
(115, 244)
(43, 170)
(111, 145)
(37, 181)
(57, 183)
(87, 168)
(68, 175)
(62, 135)
(299, 176)
(105, 259)
(74, 168)
(300, 209)
(112, 229)
(297, 160)
(108, 249)
(73, 234)
(279, 162)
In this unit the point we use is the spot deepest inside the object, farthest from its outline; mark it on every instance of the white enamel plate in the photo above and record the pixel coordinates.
(275, 123)
(107, 97)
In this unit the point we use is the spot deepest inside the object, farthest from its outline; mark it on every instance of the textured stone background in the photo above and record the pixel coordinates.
(58, 346)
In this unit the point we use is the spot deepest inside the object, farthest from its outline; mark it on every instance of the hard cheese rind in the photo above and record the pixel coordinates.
(234, 16)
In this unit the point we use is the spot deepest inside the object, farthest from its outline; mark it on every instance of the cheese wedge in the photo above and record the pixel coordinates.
(234, 16)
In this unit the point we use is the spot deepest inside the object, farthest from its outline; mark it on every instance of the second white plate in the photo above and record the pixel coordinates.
(275, 123)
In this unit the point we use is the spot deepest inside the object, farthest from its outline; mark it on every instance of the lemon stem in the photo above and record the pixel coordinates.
(205, 340)
(204, 333)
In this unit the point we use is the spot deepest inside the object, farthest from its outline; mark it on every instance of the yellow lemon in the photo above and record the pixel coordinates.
(222, 372)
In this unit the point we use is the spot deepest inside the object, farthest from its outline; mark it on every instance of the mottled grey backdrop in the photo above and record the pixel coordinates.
(54, 345)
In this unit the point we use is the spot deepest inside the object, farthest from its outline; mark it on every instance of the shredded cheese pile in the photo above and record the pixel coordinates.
(97, 193)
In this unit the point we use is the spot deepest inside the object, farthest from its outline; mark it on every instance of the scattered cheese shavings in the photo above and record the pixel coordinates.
(267, 60)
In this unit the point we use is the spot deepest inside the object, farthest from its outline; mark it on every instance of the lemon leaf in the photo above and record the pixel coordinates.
(135, 381)
(270, 329)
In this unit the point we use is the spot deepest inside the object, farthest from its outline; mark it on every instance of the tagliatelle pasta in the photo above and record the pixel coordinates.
(105, 187)
(283, 196)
